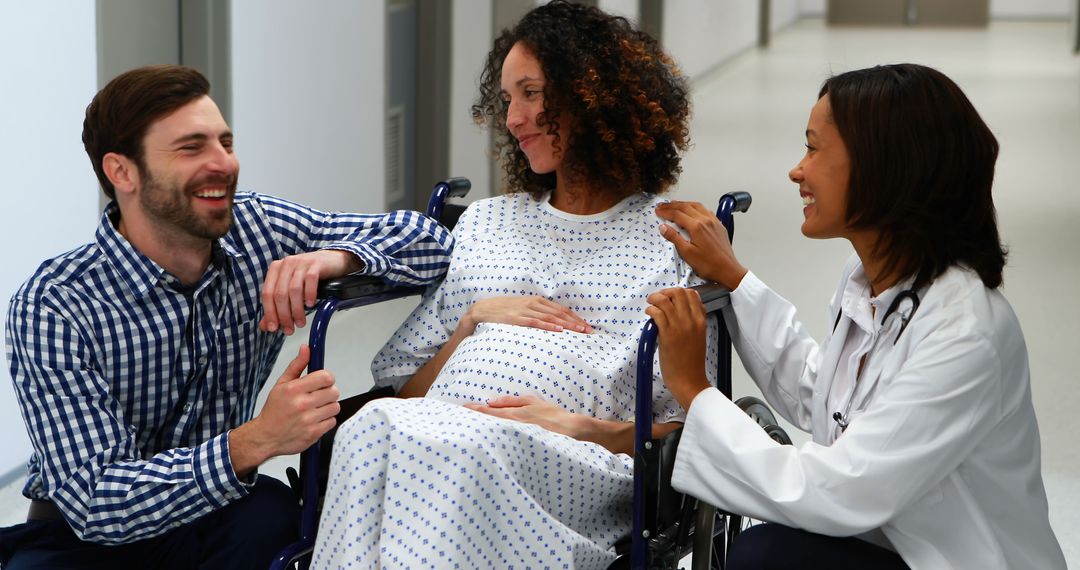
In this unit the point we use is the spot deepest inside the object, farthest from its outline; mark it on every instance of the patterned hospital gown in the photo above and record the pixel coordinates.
(426, 483)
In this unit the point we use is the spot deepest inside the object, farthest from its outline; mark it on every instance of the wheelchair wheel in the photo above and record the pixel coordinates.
(732, 525)
(759, 411)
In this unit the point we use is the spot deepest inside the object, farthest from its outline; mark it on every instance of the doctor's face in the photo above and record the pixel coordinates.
(522, 85)
(823, 175)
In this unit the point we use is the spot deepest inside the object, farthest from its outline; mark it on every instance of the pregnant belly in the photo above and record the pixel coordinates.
(584, 373)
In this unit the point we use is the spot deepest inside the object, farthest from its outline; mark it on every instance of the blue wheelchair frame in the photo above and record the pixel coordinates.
(646, 536)
(650, 456)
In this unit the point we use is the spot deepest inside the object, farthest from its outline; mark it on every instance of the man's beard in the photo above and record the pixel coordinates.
(169, 205)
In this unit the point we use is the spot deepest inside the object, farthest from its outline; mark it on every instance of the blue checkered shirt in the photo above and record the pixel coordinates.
(129, 381)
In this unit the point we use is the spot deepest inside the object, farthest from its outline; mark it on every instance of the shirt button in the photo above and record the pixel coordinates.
(187, 408)
(202, 361)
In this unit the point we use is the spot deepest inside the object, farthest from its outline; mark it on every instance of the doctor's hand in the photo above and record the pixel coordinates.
(680, 318)
(292, 282)
(535, 312)
(708, 250)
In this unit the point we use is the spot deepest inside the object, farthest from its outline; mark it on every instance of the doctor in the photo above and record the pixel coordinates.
(925, 449)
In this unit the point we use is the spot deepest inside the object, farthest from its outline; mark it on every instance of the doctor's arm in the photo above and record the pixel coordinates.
(774, 347)
(921, 425)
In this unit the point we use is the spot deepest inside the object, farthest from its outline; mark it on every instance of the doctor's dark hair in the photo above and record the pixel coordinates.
(922, 168)
(120, 114)
(623, 100)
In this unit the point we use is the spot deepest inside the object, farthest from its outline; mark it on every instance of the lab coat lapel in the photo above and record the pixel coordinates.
(830, 358)
(884, 357)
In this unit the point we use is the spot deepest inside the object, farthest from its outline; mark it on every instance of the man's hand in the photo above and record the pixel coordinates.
(292, 282)
(298, 411)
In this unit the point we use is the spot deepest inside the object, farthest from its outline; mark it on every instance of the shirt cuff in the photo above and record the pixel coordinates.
(214, 473)
(749, 288)
(707, 416)
(372, 261)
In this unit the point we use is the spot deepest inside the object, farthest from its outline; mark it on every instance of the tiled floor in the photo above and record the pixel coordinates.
(748, 131)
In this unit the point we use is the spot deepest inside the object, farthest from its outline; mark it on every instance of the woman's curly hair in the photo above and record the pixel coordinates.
(627, 100)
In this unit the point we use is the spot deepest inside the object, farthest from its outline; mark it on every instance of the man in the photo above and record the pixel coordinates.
(137, 358)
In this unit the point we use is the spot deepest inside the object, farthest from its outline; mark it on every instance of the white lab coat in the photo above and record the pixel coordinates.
(942, 452)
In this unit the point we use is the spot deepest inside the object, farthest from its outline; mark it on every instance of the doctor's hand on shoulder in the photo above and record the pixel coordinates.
(680, 318)
(708, 250)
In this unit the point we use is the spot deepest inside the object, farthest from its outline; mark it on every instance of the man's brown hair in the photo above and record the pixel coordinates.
(120, 114)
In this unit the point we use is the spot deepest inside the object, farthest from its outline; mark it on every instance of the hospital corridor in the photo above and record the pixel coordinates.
(749, 113)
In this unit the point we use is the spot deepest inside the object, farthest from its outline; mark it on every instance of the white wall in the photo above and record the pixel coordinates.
(812, 8)
(48, 59)
(701, 34)
(625, 8)
(308, 100)
(783, 13)
(1026, 9)
(469, 144)
(999, 9)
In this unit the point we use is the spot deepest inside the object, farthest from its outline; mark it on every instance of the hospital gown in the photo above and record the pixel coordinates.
(426, 483)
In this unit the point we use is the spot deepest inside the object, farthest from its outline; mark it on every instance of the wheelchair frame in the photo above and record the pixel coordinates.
(653, 459)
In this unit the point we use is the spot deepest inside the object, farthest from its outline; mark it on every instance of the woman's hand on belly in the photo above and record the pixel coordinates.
(616, 437)
(535, 312)
(531, 410)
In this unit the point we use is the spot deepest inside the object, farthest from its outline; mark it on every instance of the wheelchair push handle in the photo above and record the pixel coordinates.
(730, 203)
(449, 188)
(713, 295)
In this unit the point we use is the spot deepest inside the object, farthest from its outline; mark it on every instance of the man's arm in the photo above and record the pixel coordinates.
(91, 464)
(402, 247)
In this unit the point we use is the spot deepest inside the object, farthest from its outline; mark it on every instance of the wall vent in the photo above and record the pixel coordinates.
(395, 155)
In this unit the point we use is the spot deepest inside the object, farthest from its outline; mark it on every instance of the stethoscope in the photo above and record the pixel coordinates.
(842, 419)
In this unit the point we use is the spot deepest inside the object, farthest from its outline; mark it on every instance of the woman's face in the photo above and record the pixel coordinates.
(522, 85)
(823, 175)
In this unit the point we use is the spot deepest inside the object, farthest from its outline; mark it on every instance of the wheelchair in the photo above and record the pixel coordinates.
(667, 525)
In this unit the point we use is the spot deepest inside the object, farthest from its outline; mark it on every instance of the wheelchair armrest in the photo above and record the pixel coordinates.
(355, 286)
(713, 295)
(350, 286)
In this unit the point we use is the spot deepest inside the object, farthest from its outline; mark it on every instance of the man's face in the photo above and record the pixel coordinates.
(189, 174)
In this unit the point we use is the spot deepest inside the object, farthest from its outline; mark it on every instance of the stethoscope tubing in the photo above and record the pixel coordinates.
(909, 294)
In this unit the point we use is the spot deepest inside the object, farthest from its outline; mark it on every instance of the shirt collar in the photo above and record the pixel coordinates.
(138, 272)
(855, 302)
